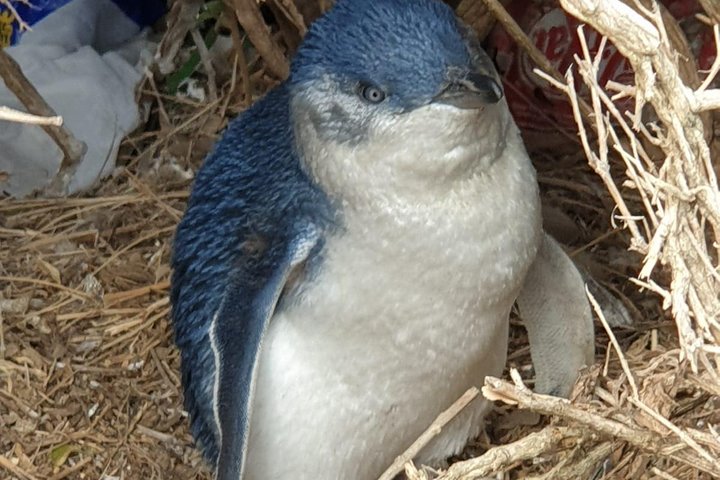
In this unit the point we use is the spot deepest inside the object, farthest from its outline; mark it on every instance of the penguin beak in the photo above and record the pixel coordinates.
(473, 90)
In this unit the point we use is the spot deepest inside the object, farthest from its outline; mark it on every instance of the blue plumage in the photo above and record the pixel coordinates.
(384, 43)
(251, 189)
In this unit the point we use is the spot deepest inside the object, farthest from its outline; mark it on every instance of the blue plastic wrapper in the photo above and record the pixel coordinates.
(142, 12)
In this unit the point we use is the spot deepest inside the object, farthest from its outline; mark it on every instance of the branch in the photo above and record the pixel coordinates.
(72, 149)
(431, 432)
(645, 440)
(248, 14)
(500, 458)
(12, 115)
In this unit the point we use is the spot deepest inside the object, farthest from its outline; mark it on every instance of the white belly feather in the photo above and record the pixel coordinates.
(409, 310)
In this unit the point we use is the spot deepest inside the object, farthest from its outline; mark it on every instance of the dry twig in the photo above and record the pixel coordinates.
(72, 149)
(206, 61)
(498, 459)
(431, 432)
(643, 439)
(248, 14)
(688, 197)
(712, 8)
(475, 14)
(12, 115)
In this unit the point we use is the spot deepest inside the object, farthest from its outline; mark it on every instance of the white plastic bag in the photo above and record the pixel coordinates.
(85, 59)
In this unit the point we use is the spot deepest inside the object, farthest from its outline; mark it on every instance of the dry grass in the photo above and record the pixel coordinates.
(88, 374)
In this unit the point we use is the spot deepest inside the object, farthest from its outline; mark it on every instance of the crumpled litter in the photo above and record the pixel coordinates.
(85, 58)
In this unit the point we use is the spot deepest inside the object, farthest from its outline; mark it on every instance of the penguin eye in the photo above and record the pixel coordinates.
(371, 93)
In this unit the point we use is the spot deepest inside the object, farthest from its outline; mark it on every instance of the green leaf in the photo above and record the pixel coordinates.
(60, 454)
(211, 10)
(189, 67)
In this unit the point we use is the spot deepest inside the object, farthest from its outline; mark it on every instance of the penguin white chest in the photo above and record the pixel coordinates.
(408, 310)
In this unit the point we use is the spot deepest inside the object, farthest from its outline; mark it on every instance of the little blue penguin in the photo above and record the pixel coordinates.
(351, 251)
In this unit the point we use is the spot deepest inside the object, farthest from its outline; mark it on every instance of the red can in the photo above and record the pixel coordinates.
(542, 111)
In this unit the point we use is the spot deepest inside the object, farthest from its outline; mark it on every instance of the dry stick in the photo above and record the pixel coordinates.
(589, 463)
(517, 34)
(499, 458)
(159, 97)
(689, 164)
(715, 68)
(181, 18)
(639, 41)
(73, 469)
(661, 474)
(684, 436)
(291, 11)
(589, 68)
(687, 279)
(72, 149)
(600, 167)
(45, 283)
(475, 14)
(9, 466)
(431, 432)
(186, 123)
(249, 16)
(206, 61)
(712, 8)
(575, 468)
(288, 31)
(635, 397)
(3, 349)
(147, 191)
(12, 115)
(240, 56)
(496, 389)
(615, 344)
